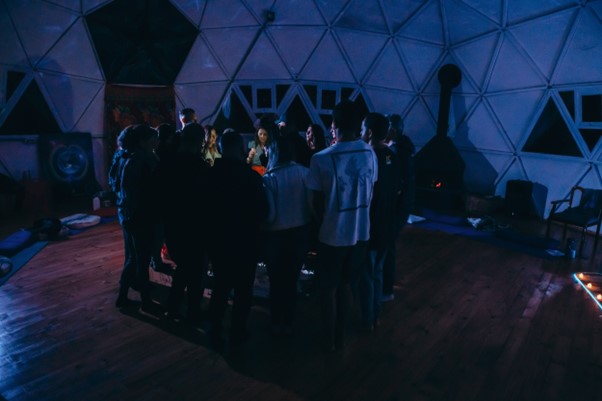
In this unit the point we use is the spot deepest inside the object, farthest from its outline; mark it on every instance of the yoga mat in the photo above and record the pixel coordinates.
(20, 259)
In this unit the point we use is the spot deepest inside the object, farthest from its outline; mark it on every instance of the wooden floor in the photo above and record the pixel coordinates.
(470, 321)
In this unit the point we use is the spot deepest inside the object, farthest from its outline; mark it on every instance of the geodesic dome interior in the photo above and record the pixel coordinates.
(529, 106)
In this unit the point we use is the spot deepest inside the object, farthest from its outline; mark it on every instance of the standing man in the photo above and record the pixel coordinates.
(342, 179)
(187, 116)
(382, 225)
(238, 206)
(403, 147)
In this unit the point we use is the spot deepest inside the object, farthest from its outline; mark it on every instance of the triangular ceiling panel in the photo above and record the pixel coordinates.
(583, 47)
(93, 116)
(591, 179)
(419, 58)
(74, 45)
(74, 5)
(551, 134)
(91, 5)
(516, 112)
(566, 172)
(388, 101)
(459, 108)
(419, 125)
(364, 16)
(63, 92)
(10, 45)
(398, 12)
(389, 71)
(428, 16)
(13, 80)
(491, 8)
(544, 39)
(200, 65)
(479, 131)
(263, 60)
(464, 22)
(512, 70)
(327, 53)
(434, 86)
(227, 13)
(591, 137)
(331, 8)
(28, 23)
(192, 9)
(361, 48)
(514, 171)
(296, 12)
(30, 114)
(519, 10)
(203, 98)
(475, 57)
(597, 7)
(296, 44)
(230, 52)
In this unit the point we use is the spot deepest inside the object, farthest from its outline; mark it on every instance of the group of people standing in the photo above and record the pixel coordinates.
(272, 201)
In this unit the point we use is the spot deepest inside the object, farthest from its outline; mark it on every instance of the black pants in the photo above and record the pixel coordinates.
(232, 269)
(286, 251)
(390, 264)
(138, 241)
(188, 277)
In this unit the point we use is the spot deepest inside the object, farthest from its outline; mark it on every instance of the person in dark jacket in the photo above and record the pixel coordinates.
(137, 214)
(239, 206)
(183, 180)
(403, 147)
(382, 226)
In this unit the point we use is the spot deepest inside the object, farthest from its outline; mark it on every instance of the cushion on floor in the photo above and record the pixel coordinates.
(16, 241)
(80, 220)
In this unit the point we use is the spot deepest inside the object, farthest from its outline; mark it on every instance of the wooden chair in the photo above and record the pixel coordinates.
(582, 211)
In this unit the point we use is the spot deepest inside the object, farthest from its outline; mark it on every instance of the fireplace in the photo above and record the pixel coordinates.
(439, 165)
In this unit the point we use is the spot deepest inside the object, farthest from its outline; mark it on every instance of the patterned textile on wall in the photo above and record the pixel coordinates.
(127, 105)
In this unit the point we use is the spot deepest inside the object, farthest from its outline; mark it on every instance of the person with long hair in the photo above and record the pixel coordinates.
(314, 136)
(258, 150)
(210, 151)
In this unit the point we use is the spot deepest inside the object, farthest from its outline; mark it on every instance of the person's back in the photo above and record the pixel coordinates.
(238, 204)
(238, 207)
(286, 231)
(342, 178)
(183, 180)
(345, 174)
(384, 204)
(382, 222)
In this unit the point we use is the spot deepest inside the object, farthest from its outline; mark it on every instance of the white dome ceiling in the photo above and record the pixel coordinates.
(521, 60)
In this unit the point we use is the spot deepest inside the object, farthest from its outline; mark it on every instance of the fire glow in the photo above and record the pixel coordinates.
(592, 284)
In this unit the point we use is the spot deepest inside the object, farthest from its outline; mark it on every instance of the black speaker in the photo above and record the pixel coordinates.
(66, 160)
(525, 199)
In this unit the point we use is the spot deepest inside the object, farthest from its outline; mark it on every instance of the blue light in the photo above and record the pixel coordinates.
(577, 279)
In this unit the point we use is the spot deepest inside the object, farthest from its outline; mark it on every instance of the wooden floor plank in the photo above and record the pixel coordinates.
(471, 321)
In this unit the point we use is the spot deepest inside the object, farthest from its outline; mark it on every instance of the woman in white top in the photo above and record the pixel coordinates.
(287, 230)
